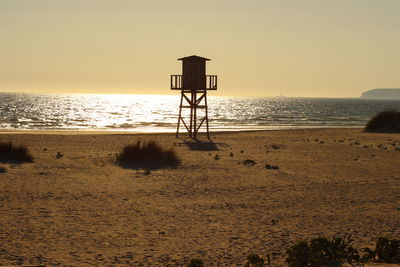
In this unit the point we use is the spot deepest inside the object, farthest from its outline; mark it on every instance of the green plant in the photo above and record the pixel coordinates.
(13, 153)
(299, 255)
(196, 263)
(253, 260)
(388, 250)
(384, 122)
(322, 251)
(369, 255)
(147, 155)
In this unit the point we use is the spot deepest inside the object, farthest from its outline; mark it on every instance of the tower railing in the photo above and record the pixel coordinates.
(211, 82)
(176, 82)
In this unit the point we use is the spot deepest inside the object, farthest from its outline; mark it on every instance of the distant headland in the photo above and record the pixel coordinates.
(382, 93)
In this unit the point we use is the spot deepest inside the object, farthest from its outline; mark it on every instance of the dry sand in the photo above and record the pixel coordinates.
(82, 210)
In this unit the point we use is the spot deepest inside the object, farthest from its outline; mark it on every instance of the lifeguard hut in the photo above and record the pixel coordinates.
(193, 84)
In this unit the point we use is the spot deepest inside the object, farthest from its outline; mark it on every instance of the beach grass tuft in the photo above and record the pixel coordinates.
(384, 122)
(10, 152)
(147, 155)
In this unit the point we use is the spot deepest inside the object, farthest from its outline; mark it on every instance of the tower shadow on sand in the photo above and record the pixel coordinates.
(200, 145)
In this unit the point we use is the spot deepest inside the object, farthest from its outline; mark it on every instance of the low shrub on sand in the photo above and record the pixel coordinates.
(322, 252)
(147, 155)
(384, 122)
(13, 153)
(387, 250)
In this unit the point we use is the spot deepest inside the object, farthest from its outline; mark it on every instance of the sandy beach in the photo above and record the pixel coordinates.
(83, 210)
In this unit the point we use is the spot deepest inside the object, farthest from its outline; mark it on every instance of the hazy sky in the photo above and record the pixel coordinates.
(323, 48)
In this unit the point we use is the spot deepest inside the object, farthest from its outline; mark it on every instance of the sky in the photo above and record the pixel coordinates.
(295, 48)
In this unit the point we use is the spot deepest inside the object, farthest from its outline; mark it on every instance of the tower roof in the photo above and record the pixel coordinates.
(194, 58)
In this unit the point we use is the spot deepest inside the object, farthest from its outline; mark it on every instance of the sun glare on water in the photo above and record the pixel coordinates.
(134, 111)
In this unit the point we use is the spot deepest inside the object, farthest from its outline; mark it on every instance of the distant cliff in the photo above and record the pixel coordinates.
(382, 93)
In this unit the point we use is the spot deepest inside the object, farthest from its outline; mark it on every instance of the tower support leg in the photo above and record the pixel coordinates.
(180, 115)
(206, 115)
(191, 116)
(193, 103)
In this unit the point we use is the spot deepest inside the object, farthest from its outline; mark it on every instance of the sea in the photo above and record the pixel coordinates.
(159, 113)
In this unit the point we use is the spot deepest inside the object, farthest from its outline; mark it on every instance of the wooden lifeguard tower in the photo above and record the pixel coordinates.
(193, 84)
